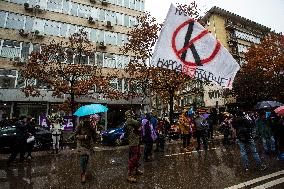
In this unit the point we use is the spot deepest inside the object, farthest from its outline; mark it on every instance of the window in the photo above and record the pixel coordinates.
(126, 20)
(137, 5)
(247, 37)
(119, 2)
(132, 21)
(74, 9)
(101, 36)
(72, 29)
(15, 21)
(109, 61)
(119, 19)
(64, 30)
(119, 39)
(54, 5)
(2, 19)
(100, 59)
(66, 7)
(10, 49)
(38, 25)
(102, 15)
(8, 78)
(18, 1)
(242, 48)
(83, 59)
(110, 16)
(92, 59)
(84, 11)
(119, 61)
(29, 24)
(36, 47)
(126, 3)
(110, 38)
(52, 28)
(25, 50)
(114, 84)
(20, 81)
(93, 35)
(132, 4)
(142, 6)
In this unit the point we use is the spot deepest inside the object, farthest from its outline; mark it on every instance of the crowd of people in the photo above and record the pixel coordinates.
(238, 128)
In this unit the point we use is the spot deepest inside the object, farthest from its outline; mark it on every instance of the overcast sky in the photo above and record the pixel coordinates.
(266, 12)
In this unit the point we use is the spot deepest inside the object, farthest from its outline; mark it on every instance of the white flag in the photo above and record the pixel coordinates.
(185, 45)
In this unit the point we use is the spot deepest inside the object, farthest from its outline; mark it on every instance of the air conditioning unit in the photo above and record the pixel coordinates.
(37, 34)
(91, 20)
(108, 24)
(27, 7)
(37, 9)
(104, 3)
(23, 33)
(101, 45)
(93, 1)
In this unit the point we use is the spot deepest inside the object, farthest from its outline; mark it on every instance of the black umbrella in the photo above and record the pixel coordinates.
(267, 104)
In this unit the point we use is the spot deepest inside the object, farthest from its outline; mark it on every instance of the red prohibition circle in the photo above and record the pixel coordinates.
(191, 42)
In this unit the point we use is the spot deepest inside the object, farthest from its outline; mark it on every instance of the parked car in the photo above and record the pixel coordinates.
(114, 136)
(42, 136)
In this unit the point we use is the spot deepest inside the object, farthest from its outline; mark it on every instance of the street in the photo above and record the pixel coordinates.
(219, 167)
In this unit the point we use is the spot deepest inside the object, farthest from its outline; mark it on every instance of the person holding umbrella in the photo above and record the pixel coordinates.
(85, 135)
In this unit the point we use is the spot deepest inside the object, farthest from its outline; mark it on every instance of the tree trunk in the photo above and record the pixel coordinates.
(171, 93)
(72, 101)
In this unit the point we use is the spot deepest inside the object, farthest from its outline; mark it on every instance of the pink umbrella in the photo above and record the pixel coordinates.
(279, 110)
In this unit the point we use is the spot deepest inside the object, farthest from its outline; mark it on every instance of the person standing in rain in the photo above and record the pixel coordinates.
(265, 132)
(201, 131)
(55, 131)
(20, 144)
(245, 138)
(148, 137)
(132, 134)
(85, 134)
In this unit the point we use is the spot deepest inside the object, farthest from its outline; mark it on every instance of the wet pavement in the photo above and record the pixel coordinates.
(219, 167)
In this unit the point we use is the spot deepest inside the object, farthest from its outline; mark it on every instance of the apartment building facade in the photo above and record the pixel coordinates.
(28, 25)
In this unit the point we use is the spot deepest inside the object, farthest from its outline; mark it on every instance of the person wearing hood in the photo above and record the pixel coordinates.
(132, 134)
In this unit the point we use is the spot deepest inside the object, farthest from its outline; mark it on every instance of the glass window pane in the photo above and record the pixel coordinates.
(2, 18)
(102, 15)
(38, 25)
(109, 61)
(120, 61)
(142, 7)
(119, 19)
(20, 81)
(100, 59)
(84, 11)
(36, 47)
(19, 1)
(52, 28)
(101, 34)
(25, 50)
(132, 4)
(93, 35)
(74, 8)
(132, 21)
(92, 59)
(119, 2)
(126, 3)
(137, 5)
(54, 5)
(29, 24)
(15, 21)
(119, 39)
(126, 20)
(72, 29)
(63, 30)
(66, 7)
(81, 59)
(7, 82)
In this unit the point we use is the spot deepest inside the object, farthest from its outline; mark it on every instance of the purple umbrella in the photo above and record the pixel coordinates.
(205, 116)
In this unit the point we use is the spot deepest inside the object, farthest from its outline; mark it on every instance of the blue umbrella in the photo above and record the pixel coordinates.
(90, 109)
